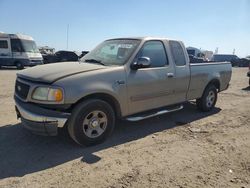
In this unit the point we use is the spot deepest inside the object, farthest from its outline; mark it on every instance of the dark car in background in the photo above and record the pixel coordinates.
(235, 60)
(60, 56)
(244, 62)
(248, 74)
(226, 57)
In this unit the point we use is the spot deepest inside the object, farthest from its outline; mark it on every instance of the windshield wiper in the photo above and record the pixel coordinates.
(94, 61)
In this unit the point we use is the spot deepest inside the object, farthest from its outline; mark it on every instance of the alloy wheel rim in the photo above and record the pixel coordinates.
(95, 123)
(210, 99)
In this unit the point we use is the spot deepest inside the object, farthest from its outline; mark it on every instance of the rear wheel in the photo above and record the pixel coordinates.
(91, 122)
(19, 65)
(208, 99)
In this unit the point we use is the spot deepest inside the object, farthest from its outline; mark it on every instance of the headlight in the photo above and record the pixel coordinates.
(48, 94)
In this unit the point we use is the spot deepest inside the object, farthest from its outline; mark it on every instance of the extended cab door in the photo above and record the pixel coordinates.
(151, 87)
(182, 70)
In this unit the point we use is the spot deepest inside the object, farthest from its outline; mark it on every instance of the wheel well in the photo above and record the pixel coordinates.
(216, 83)
(105, 97)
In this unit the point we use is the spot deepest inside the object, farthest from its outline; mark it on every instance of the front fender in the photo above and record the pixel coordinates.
(111, 81)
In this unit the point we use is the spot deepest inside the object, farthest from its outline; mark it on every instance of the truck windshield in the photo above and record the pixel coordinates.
(29, 46)
(21, 45)
(112, 52)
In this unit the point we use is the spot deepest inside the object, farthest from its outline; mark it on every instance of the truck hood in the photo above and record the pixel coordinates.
(50, 73)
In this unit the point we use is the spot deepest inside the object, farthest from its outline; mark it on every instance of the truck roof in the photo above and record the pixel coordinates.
(15, 36)
(142, 38)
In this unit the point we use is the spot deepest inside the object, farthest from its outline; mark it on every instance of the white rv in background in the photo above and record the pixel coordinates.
(18, 50)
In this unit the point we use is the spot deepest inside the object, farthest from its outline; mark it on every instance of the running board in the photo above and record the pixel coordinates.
(146, 116)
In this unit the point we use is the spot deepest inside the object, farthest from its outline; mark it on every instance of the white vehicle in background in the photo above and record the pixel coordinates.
(18, 50)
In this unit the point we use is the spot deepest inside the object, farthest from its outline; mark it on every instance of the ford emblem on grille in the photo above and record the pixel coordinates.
(19, 88)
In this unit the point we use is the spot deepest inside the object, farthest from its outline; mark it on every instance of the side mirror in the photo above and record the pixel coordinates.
(142, 62)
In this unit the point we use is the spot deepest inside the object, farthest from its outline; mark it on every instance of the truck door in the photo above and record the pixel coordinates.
(5, 52)
(151, 87)
(182, 70)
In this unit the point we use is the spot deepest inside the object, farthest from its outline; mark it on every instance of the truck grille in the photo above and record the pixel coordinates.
(22, 89)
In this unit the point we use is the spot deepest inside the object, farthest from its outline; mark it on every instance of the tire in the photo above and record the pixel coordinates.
(19, 65)
(91, 122)
(208, 100)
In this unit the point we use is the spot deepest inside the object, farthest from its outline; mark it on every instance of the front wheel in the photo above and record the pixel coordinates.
(91, 122)
(208, 99)
(19, 65)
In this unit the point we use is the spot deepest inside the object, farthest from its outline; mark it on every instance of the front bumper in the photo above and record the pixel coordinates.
(35, 62)
(32, 62)
(40, 120)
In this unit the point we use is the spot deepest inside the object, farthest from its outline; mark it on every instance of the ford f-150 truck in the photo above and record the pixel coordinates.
(126, 78)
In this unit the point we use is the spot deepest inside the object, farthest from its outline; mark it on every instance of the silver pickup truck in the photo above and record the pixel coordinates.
(126, 78)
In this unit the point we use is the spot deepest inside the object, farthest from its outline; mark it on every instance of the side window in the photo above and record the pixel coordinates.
(178, 53)
(16, 45)
(156, 52)
(3, 44)
(64, 55)
(72, 56)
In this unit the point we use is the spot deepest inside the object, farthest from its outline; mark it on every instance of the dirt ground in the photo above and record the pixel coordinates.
(183, 149)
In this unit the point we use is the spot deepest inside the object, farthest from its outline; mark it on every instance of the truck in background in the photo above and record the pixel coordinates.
(206, 55)
(18, 50)
(44, 50)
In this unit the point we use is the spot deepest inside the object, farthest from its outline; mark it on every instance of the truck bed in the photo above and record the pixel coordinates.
(203, 73)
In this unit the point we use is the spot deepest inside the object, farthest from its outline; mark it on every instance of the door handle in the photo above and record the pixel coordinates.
(170, 75)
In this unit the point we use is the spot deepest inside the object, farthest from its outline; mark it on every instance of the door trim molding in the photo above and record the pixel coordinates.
(150, 96)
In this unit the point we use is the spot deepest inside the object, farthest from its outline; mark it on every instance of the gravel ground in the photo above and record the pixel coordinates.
(182, 149)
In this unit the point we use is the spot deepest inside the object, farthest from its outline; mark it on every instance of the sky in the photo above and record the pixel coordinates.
(205, 24)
